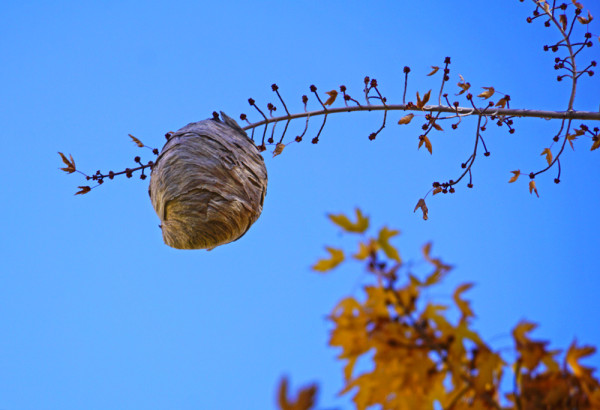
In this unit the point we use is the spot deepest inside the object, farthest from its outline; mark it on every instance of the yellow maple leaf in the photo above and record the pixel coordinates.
(332, 96)
(532, 188)
(515, 176)
(341, 220)
(366, 250)
(548, 155)
(489, 91)
(324, 265)
(383, 240)
(434, 69)
(520, 332)
(406, 119)
(572, 359)
(463, 305)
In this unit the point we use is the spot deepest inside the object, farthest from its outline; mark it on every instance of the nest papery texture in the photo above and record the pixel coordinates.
(208, 185)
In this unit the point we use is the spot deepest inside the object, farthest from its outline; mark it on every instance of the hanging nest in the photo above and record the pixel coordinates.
(208, 184)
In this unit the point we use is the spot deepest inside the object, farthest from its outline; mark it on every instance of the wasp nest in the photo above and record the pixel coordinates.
(208, 185)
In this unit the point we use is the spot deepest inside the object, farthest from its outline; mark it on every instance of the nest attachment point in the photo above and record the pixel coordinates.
(208, 184)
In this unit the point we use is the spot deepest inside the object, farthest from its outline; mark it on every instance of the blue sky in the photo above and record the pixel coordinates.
(96, 312)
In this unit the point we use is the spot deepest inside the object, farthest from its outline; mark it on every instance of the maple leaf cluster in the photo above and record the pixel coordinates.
(421, 359)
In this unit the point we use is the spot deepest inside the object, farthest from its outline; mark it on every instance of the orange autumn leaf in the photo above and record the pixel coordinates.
(304, 400)
(434, 69)
(332, 96)
(421, 204)
(515, 176)
(406, 119)
(548, 155)
(324, 265)
(532, 188)
(574, 354)
(341, 220)
(489, 91)
(137, 141)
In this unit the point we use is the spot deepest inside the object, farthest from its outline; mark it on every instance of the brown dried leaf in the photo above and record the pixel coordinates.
(584, 20)
(332, 96)
(406, 119)
(83, 190)
(424, 140)
(502, 102)
(70, 165)
(515, 176)
(137, 141)
(488, 93)
(437, 127)
(563, 21)
(278, 149)
(570, 139)
(532, 188)
(305, 399)
(464, 86)
(433, 71)
(548, 155)
(437, 190)
(596, 144)
(577, 4)
(421, 204)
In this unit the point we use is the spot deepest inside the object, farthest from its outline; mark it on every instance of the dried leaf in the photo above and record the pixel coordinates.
(437, 190)
(324, 265)
(426, 97)
(83, 190)
(137, 141)
(433, 71)
(360, 226)
(584, 20)
(548, 155)
(570, 139)
(437, 127)
(421, 102)
(332, 96)
(406, 119)
(305, 399)
(424, 140)
(515, 176)
(488, 93)
(563, 21)
(502, 102)
(596, 144)
(278, 149)
(532, 188)
(383, 240)
(70, 165)
(577, 4)
(421, 204)
(464, 86)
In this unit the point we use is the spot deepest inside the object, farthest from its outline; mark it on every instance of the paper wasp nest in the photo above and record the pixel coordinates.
(208, 185)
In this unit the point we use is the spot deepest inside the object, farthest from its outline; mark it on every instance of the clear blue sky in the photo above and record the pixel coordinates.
(97, 313)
